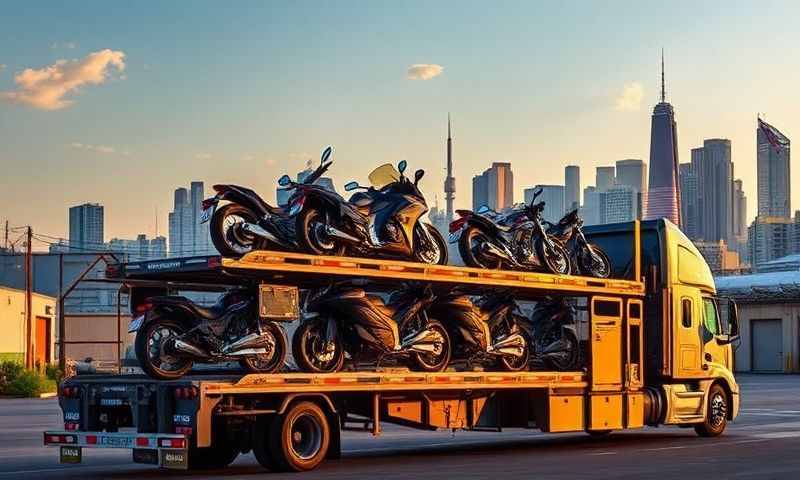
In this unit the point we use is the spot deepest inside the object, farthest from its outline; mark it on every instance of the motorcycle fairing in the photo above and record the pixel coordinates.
(247, 198)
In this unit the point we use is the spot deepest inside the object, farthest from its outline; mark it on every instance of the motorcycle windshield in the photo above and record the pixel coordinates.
(384, 175)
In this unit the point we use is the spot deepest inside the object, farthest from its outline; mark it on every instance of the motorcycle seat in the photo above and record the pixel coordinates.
(209, 313)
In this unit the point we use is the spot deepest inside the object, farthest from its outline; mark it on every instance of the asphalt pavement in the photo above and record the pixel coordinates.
(763, 443)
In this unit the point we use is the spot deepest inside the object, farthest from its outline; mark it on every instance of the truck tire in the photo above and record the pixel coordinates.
(299, 439)
(716, 413)
(261, 443)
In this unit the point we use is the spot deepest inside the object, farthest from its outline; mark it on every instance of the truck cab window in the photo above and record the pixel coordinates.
(686, 312)
(710, 319)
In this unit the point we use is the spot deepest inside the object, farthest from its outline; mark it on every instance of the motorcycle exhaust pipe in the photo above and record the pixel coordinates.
(248, 351)
(248, 341)
(335, 232)
(424, 342)
(493, 249)
(258, 231)
(511, 345)
(189, 349)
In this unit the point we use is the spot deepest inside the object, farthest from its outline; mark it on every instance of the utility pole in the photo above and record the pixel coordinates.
(5, 245)
(62, 330)
(29, 353)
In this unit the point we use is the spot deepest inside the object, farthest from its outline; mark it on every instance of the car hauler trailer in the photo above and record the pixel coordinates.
(656, 353)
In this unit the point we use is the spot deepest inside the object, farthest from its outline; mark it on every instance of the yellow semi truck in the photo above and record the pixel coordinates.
(657, 349)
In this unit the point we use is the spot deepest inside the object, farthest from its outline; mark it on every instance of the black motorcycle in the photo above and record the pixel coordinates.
(172, 333)
(515, 240)
(343, 319)
(248, 223)
(554, 335)
(488, 329)
(383, 221)
(586, 258)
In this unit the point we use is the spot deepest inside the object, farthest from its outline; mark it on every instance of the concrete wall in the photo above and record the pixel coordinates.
(12, 322)
(789, 313)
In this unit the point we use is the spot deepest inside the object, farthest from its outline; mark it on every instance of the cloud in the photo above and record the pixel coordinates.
(46, 88)
(67, 45)
(630, 99)
(203, 156)
(424, 71)
(104, 149)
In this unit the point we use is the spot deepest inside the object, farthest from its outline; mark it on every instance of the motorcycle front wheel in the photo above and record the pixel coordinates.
(554, 256)
(312, 237)
(153, 344)
(227, 234)
(516, 364)
(596, 263)
(437, 360)
(268, 362)
(470, 246)
(435, 254)
(313, 353)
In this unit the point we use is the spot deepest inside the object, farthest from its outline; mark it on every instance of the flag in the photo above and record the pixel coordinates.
(774, 136)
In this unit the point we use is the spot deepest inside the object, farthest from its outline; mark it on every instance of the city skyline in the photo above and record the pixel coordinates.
(251, 117)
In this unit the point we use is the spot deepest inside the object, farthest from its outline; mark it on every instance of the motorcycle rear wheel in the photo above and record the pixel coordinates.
(150, 346)
(554, 258)
(310, 351)
(310, 236)
(516, 364)
(435, 362)
(431, 256)
(226, 234)
(597, 265)
(469, 246)
(269, 362)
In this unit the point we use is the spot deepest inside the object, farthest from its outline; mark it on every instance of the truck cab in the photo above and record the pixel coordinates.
(690, 333)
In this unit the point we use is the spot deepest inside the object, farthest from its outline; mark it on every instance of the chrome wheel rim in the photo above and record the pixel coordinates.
(318, 236)
(306, 436)
(157, 350)
(237, 240)
(719, 410)
(434, 358)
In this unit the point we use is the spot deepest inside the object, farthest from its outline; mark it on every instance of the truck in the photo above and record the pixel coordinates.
(657, 349)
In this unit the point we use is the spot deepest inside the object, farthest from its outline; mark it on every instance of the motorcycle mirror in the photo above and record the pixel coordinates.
(284, 181)
(418, 175)
(401, 167)
(350, 186)
(483, 209)
(326, 154)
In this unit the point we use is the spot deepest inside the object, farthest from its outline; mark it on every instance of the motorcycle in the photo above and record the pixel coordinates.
(248, 223)
(586, 258)
(382, 221)
(516, 240)
(489, 328)
(345, 320)
(554, 335)
(172, 333)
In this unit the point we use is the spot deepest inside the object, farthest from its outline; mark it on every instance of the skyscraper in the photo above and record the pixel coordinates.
(633, 173)
(590, 210)
(572, 187)
(494, 187)
(713, 171)
(450, 181)
(688, 183)
(187, 236)
(86, 227)
(739, 218)
(774, 187)
(663, 196)
(605, 178)
(619, 203)
(553, 196)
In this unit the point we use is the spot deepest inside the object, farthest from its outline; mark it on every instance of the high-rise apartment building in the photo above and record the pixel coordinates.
(140, 249)
(769, 238)
(605, 178)
(572, 187)
(619, 204)
(713, 171)
(187, 236)
(663, 195)
(633, 173)
(494, 187)
(86, 227)
(739, 219)
(590, 210)
(773, 151)
(688, 184)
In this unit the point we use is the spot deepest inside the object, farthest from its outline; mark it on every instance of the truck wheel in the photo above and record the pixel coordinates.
(268, 362)
(261, 443)
(299, 438)
(716, 413)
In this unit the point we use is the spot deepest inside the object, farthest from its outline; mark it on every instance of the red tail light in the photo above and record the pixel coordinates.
(184, 431)
(456, 225)
(143, 307)
(71, 426)
(142, 442)
(91, 439)
(71, 392)
(172, 442)
(186, 393)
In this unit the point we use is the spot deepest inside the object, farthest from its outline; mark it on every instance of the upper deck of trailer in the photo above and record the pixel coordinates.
(306, 271)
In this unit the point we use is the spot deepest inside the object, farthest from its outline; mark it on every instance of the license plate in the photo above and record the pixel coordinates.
(206, 214)
(119, 442)
(112, 402)
(135, 324)
(174, 459)
(70, 454)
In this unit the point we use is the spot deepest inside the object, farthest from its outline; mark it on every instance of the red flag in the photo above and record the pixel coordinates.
(774, 136)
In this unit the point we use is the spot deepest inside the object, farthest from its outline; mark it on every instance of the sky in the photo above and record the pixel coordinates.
(121, 103)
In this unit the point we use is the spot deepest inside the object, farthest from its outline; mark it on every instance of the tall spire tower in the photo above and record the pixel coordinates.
(450, 181)
(663, 195)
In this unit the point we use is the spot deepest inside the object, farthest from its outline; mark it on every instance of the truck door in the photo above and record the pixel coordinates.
(687, 350)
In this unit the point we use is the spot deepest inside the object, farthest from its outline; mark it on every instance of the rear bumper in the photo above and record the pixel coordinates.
(168, 450)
